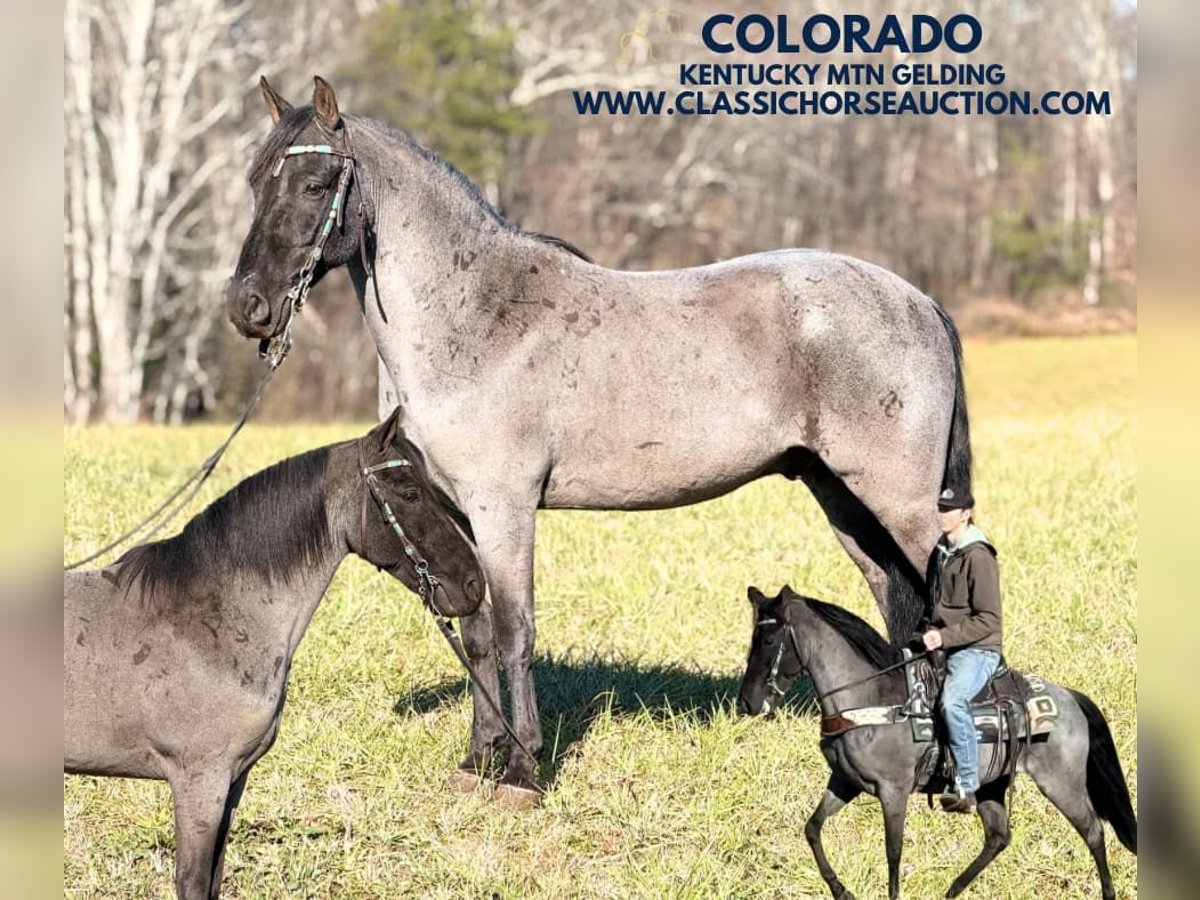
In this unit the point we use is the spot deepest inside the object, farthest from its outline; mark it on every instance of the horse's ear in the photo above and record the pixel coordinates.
(387, 430)
(277, 107)
(755, 596)
(325, 104)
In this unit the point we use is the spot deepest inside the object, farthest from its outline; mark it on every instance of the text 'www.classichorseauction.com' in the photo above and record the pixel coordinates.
(833, 88)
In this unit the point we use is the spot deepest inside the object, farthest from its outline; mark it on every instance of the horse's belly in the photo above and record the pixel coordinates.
(655, 475)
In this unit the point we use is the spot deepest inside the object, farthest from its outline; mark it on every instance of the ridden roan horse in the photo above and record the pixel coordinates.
(603, 389)
(176, 658)
(1076, 767)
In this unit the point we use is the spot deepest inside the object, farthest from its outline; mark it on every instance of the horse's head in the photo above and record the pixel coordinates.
(296, 179)
(773, 663)
(408, 528)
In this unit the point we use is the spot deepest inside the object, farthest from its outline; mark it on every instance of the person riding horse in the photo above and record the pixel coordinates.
(963, 618)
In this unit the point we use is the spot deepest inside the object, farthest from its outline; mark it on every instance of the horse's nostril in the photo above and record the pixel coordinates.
(473, 591)
(258, 311)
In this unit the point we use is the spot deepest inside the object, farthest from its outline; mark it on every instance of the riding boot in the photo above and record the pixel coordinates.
(958, 800)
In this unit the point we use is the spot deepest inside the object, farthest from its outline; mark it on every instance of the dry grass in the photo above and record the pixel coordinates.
(657, 789)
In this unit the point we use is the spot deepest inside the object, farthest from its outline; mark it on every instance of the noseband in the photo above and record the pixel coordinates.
(426, 581)
(276, 349)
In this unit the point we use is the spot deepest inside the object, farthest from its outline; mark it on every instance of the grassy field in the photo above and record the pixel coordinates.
(656, 788)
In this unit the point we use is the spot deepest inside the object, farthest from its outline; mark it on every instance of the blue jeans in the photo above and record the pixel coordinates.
(969, 670)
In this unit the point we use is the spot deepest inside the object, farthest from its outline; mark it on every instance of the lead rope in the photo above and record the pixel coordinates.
(177, 500)
(427, 585)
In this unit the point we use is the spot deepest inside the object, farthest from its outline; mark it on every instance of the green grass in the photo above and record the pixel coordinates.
(657, 789)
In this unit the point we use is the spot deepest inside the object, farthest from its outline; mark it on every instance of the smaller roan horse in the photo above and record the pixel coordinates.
(1075, 767)
(176, 658)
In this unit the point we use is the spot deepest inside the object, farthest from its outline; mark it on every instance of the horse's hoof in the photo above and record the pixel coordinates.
(465, 781)
(518, 797)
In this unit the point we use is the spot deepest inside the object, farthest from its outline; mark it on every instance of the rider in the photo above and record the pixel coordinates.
(963, 618)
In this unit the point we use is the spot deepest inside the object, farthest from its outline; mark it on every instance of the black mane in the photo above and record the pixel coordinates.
(866, 641)
(296, 120)
(271, 524)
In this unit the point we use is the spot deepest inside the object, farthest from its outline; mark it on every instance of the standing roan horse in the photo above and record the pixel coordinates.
(1076, 767)
(176, 658)
(602, 389)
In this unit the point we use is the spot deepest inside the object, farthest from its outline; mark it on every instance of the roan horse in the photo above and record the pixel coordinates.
(1076, 767)
(176, 658)
(602, 389)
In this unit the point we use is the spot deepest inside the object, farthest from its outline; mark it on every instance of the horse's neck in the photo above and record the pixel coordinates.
(282, 610)
(832, 663)
(434, 240)
(445, 269)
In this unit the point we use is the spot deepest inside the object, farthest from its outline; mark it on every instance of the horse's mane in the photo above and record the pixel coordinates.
(866, 641)
(271, 524)
(470, 188)
(296, 120)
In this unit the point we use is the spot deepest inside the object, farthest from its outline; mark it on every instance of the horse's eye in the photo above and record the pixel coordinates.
(314, 188)
(410, 495)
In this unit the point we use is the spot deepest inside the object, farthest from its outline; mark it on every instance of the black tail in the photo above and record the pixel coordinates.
(1105, 781)
(958, 453)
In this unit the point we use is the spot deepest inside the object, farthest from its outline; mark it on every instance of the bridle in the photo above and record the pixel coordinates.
(427, 582)
(276, 349)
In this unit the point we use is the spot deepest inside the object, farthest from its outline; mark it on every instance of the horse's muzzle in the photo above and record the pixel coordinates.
(249, 310)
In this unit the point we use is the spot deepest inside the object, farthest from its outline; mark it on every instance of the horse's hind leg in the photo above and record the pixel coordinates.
(996, 834)
(1064, 783)
(837, 794)
(200, 812)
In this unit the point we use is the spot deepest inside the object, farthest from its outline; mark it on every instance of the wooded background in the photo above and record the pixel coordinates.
(1016, 224)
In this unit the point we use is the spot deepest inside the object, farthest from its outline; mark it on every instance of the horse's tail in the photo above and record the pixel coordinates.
(957, 473)
(1105, 781)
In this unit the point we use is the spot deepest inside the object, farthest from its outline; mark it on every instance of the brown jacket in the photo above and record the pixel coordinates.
(964, 598)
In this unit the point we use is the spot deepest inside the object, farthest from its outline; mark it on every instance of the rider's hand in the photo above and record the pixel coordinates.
(932, 639)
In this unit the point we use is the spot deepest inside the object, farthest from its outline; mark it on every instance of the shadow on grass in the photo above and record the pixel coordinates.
(572, 692)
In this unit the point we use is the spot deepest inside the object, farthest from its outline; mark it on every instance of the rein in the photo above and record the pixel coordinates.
(426, 581)
(773, 682)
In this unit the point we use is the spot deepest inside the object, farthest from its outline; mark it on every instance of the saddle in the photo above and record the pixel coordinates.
(1011, 708)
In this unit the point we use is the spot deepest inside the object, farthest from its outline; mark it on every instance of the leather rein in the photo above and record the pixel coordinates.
(426, 581)
(773, 682)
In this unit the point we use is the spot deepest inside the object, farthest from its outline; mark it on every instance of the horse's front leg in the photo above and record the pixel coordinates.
(504, 532)
(487, 730)
(837, 794)
(895, 804)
